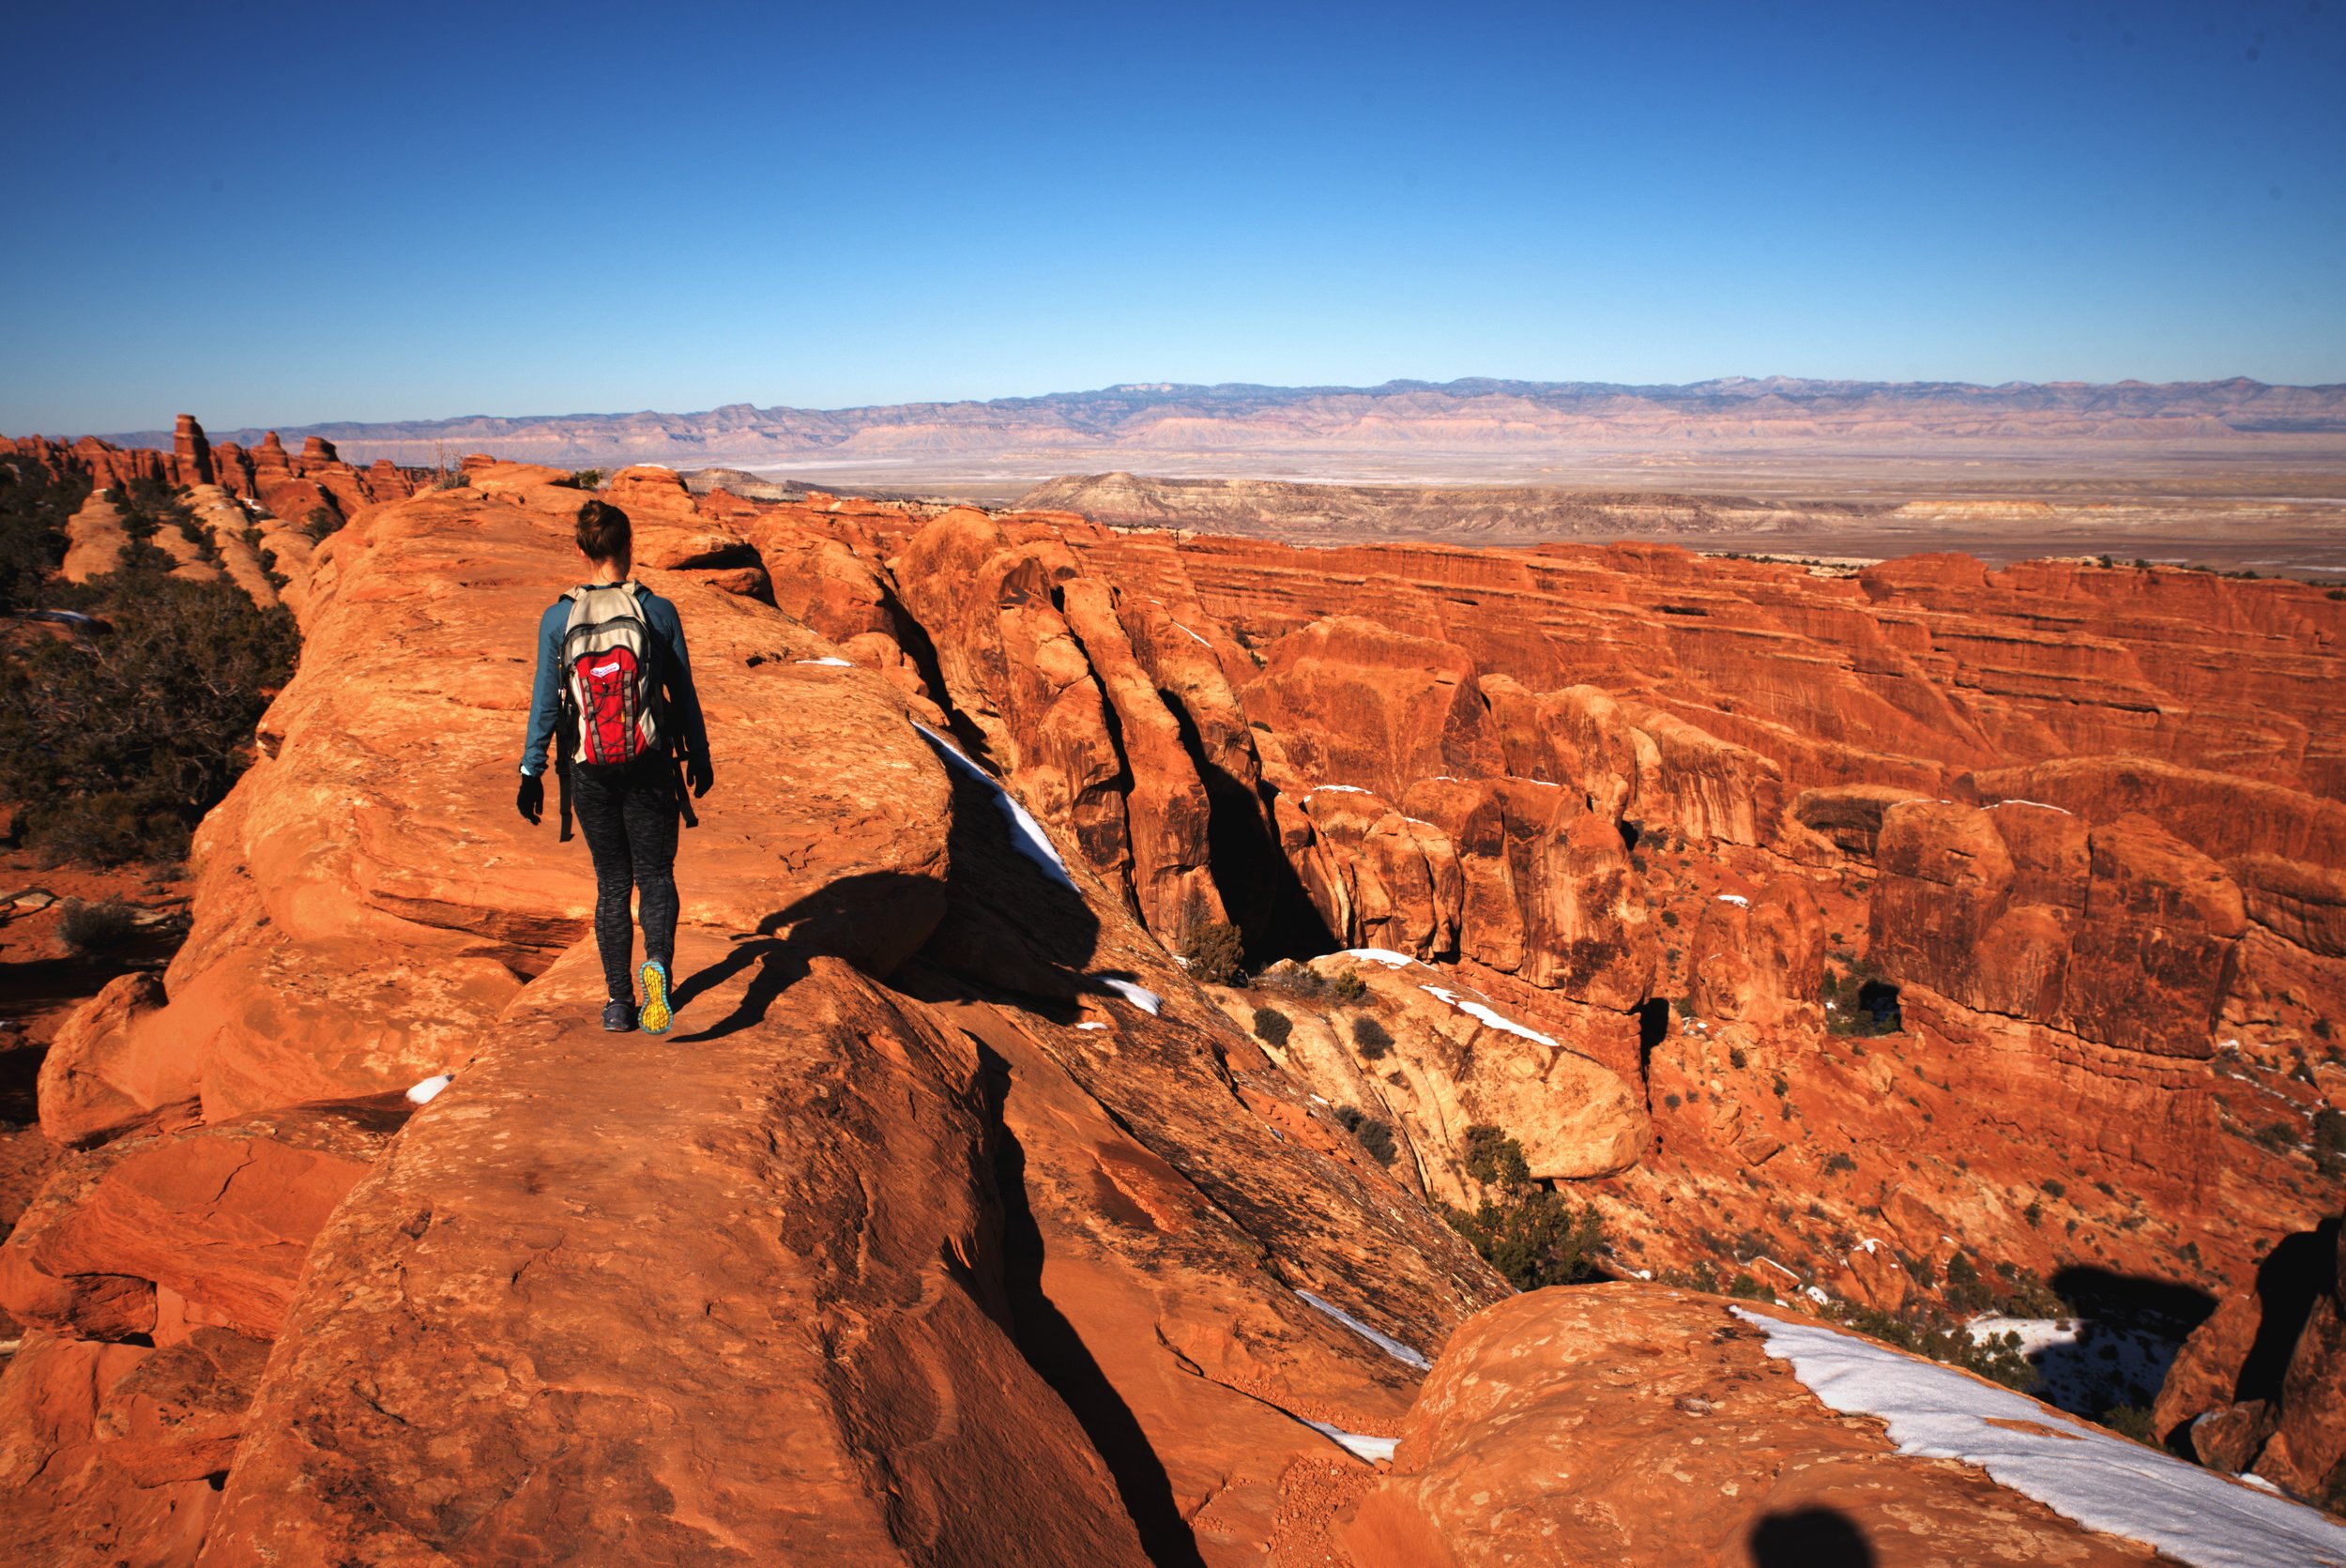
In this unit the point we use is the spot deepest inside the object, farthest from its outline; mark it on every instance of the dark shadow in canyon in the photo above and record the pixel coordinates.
(1813, 1537)
(1053, 1346)
(2294, 1276)
(1260, 891)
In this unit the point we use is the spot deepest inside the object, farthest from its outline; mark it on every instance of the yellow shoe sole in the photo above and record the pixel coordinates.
(656, 1015)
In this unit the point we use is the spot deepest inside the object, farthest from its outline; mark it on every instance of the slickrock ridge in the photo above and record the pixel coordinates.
(800, 1214)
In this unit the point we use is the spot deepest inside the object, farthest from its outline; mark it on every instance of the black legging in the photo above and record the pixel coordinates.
(627, 817)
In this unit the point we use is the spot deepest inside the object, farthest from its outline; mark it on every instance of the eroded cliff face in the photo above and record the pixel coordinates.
(1712, 824)
(1634, 856)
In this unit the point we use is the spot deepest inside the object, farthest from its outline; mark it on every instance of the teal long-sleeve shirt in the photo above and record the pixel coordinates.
(674, 668)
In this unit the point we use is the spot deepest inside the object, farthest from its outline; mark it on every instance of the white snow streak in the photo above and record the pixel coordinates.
(836, 664)
(2103, 1482)
(1193, 636)
(1478, 1010)
(1386, 956)
(1386, 1343)
(1024, 832)
(429, 1090)
(2038, 804)
(1139, 996)
(1736, 899)
(1370, 1449)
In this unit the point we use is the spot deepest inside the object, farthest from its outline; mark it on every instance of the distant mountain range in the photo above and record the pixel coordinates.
(1133, 425)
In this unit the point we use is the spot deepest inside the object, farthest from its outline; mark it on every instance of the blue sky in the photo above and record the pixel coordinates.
(278, 214)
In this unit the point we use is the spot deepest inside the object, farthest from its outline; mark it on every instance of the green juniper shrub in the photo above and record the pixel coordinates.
(586, 479)
(2131, 1420)
(1926, 1333)
(1736, 1057)
(2053, 1187)
(321, 524)
(1272, 1026)
(1372, 1037)
(35, 505)
(116, 742)
(1214, 953)
(1529, 1233)
(1743, 1286)
(1347, 986)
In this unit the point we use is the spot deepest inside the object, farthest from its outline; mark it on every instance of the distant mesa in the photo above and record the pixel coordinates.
(1490, 418)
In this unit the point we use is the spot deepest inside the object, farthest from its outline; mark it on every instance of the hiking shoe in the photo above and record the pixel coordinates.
(619, 1017)
(657, 1014)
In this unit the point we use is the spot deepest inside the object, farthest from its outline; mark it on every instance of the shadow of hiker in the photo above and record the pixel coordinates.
(1810, 1538)
(872, 919)
(1000, 921)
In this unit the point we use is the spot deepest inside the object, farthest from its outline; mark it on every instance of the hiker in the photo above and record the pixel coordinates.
(614, 691)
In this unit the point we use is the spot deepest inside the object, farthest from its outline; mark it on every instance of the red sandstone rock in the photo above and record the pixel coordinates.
(1632, 1424)
(1356, 703)
(479, 1385)
(191, 452)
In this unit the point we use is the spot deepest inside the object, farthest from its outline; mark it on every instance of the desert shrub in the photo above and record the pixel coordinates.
(1372, 1133)
(2131, 1420)
(1749, 1289)
(115, 743)
(1534, 1238)
(586, 479)
(1966, 1291)
(1347, 985)
(1997, 1358)
(35, 505)
(1272, 1026)
(1669, 917)
(89, 929)
(1372, 1038)
(322, 522)
(2329, 1132)
(2335, 593)
(1493, 1158)
(1672, 1101)
(1214, 953)
(1735, 1057)
(2053, 1187)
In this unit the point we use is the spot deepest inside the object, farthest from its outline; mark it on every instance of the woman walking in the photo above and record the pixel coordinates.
(615, 690)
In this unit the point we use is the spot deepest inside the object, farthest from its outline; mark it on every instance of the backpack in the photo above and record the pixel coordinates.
(610, 708)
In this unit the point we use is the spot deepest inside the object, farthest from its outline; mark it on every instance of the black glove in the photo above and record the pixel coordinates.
(699, 774)
(531, 800)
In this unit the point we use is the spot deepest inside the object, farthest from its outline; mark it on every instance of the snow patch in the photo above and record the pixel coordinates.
(1481, 1010)
(1193, 636)
(1334, 789)
(1026, 833)
(1386, 956)
(2103, 1482)
(1736, 899)
(835, 663)
(1139, 996)
(1370, 1449)
(2084, 1366)
(429, 1090)
(1386, 1343)
(2039, 805)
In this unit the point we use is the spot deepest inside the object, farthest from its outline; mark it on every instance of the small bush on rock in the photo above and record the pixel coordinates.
(90, 929)
(1214, 953)
(1529, 1233)
(1272, 1026)
(1372, 1038)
